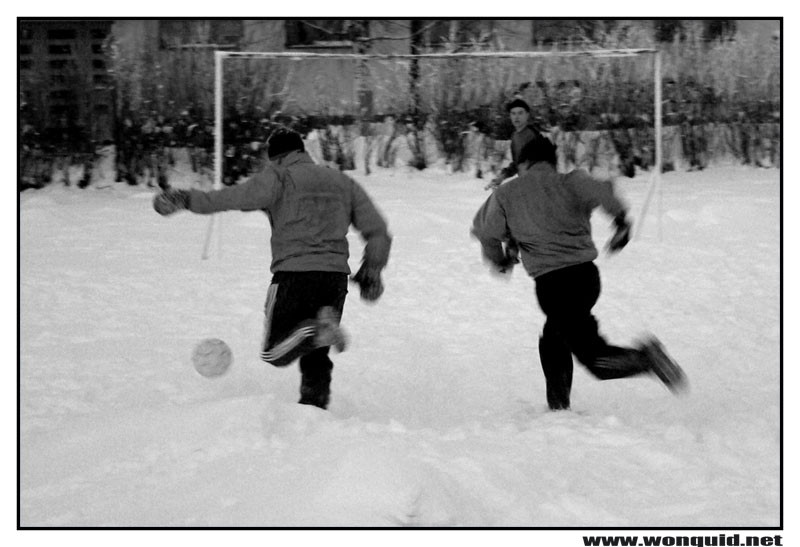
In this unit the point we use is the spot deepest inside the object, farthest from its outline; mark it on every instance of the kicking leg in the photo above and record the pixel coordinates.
(302, 314)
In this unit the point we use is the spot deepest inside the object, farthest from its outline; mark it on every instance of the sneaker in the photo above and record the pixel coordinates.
(662, 365)
(329, 333)
(314, 396)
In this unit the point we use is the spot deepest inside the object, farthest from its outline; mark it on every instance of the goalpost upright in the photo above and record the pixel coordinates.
(221, 55)
(218, 113)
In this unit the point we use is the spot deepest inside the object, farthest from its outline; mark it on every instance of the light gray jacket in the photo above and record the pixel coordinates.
(310, 209)
(548, 214)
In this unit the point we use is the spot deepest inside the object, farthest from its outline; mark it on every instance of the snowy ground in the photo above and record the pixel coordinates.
(437, 416)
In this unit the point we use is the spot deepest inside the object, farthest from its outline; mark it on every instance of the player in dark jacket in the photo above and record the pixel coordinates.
(548, 214)
(311, 209)
(520, 115)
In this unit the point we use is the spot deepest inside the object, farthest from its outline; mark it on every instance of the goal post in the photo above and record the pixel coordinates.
(218, 157)
(221, 56)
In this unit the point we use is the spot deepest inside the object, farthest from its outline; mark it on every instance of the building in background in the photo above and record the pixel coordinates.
(96, 71)
(64, 74)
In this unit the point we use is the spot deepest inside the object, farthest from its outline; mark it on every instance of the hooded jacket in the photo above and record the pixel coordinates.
(310, 209)
(548, 214)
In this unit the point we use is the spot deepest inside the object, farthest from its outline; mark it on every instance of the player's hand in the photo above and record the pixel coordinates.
(502, 271)
(170, 201)
(369, 281)
(495, 183)
(505, 267)
(621, 236)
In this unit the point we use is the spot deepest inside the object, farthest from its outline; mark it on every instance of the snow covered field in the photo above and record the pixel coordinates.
(438, 416)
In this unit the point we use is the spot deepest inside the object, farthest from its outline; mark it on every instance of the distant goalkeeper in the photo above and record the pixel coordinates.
(310, 209)
(520, 115)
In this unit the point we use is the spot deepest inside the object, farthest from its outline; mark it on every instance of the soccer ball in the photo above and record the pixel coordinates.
(212, 357)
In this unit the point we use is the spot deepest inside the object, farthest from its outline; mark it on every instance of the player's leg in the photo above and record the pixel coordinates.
(577, 288)
(288, 322)
(315, 383)
(296, 315)
(316, 366)
(567, 297)
(556, 361)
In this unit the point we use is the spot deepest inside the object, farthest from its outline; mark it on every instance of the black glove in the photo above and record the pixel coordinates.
(509, 260)
(512, 252)
(622, 235)
(170, 201)
(369, 280)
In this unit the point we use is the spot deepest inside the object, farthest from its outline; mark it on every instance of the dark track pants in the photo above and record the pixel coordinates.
(566, 297)
(293, 301)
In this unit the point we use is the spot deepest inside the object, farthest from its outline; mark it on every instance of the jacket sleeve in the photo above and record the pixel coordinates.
(597, 192)
(372, 226)
(257, 192)
(490, 228)
(509, 170)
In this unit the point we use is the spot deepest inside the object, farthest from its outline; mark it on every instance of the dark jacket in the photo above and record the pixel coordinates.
(548, 214)
(518, 141)
(310, 208)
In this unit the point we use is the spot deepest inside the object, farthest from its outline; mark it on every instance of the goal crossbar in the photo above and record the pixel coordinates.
(470, 55)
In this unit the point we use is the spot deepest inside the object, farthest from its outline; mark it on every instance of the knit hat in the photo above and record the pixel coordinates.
(283, 141)
(518, 103)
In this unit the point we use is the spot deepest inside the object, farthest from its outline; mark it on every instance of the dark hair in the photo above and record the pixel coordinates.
(518, 103)
(283, 141)
(537, 150)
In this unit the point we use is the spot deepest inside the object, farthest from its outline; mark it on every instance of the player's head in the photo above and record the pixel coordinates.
(519, 112)
(539, 149)
(282, 141)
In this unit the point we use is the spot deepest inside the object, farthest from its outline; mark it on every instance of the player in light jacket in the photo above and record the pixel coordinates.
(548, 215)
(310, 209)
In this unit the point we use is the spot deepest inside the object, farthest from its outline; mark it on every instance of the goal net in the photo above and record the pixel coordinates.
(361, 110)
(437, 93)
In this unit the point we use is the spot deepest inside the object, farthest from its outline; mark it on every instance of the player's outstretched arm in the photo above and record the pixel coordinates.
(258, 192)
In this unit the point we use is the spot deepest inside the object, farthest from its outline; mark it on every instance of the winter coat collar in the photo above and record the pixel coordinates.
(293, 158)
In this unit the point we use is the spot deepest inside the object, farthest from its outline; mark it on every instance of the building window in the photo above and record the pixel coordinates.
(561, 31)
(666, 30)
(332, 33)
(97, 49)
(226, 32)
(60, 64)
(25, 49)
(62, 34)
(98, 64)
(185, 33)
(26, 64)
(719, 29)
(63, 95)
(458, 33)
(59, 49)
(98, 33)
